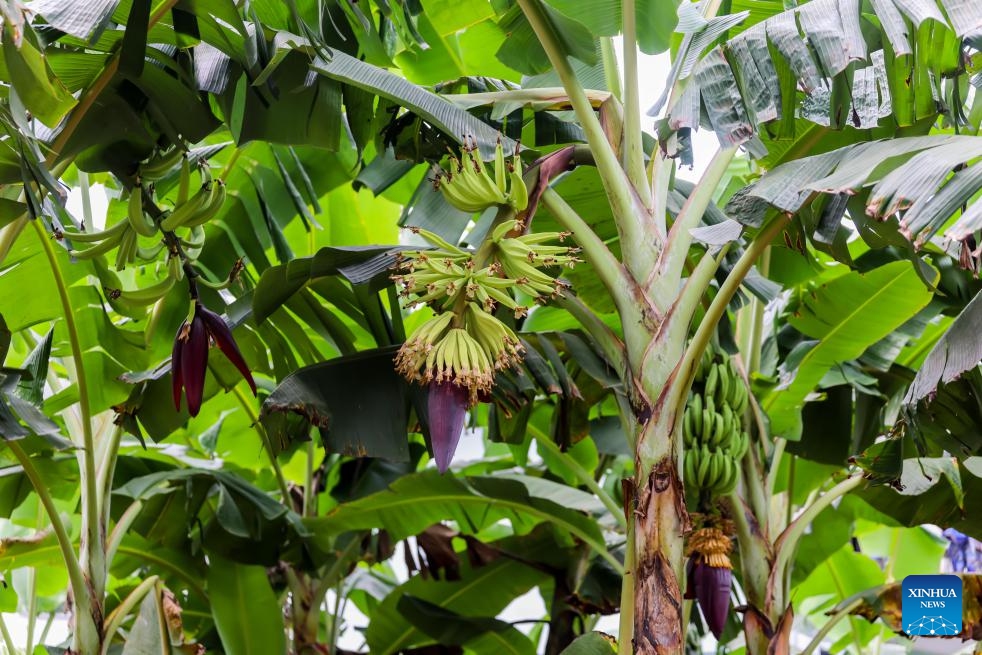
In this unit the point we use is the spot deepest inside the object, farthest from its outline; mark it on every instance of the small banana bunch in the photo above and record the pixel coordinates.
(464, 343)
(465, 351)
(198, 209)
(122, 236)
(441, 276)
(131, 302)
(522, 258)
(161, 164)
(712, 427)
(469, 186)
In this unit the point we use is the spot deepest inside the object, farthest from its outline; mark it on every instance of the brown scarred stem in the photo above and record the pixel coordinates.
(660, 521)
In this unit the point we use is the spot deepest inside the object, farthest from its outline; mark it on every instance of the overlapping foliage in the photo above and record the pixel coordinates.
(319, 122)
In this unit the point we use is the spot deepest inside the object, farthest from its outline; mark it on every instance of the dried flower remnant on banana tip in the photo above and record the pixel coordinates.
(189, 359)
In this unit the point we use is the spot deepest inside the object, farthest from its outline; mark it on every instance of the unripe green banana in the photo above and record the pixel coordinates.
(717, 471)
(175, 267)
(705, 363)
(729, 427)
(719, 431)
(96, 237)
(160, 164)
(688, 430)
(149, 253)
(696, 414)
(689, 467)
(519, 193)
(728, 476)
(127, 249)
(705, 460)
(148, 295)
(708, 427)
(216, 199)
(500, 170)
(105, 244)
(711, 381)
(723, 388)
(138, 219)
(195, 243)
(439, 242)
(184, 182)
(185, 212)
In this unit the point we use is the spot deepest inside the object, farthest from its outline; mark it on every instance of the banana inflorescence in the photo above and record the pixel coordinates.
(712, 426)
(465, 343)
(470, 186)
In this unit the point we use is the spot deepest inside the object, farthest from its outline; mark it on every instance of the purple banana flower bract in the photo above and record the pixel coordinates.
(194, 363)
(189, 358)
(222, 336)
(446, 405)
(710, 585)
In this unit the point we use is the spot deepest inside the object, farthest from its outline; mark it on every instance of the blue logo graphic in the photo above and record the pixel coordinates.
(932, 605)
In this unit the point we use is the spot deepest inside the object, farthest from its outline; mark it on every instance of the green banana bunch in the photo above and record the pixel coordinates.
(712, 426)
(198, 209)
(138, 219)
(440, 276)
(521, 258)
(715, 472)
(467, 353)
(129, 302)
(102, 241)
(160, 164)
(469, 186)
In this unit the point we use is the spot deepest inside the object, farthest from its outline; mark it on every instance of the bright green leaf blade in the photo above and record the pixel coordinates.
(592, 643)
(41, 92)
(845, 316)
(656, 21)
(245, 609)
(417, 501)
(481, 592)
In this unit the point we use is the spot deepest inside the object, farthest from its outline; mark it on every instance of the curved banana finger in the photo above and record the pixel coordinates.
(138, 219)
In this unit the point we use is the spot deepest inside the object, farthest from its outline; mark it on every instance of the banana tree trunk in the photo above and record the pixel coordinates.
(660, 524)
(660, 518)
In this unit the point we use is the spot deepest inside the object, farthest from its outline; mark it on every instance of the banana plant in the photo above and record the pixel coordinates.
(239, 119)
